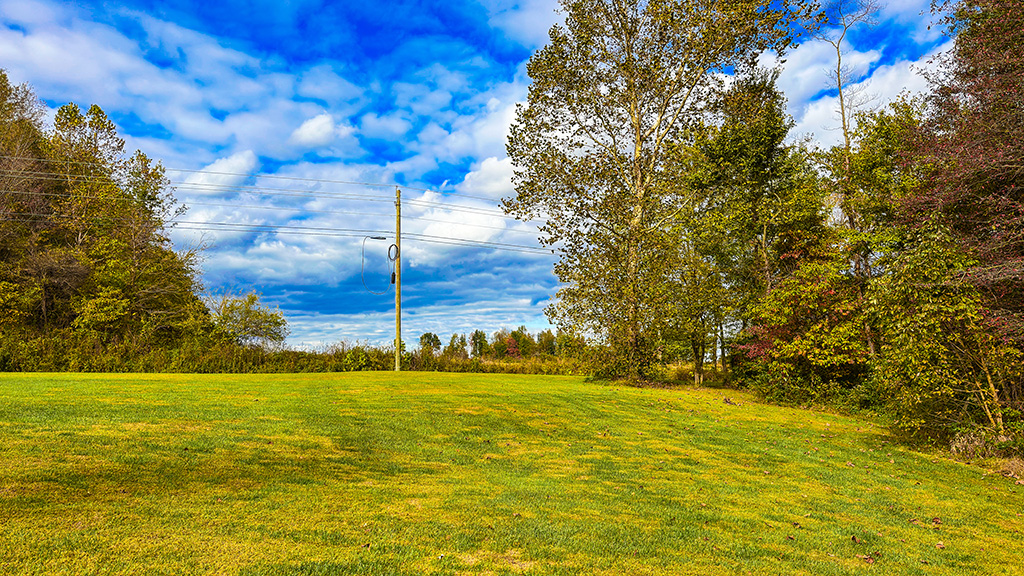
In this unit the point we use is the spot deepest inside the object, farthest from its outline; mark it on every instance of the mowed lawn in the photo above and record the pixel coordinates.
(427, 473)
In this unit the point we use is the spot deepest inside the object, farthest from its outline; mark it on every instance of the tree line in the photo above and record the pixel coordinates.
(886, 272)
(89, 279)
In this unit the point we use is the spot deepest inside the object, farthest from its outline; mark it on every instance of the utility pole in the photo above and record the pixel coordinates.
(398, 279)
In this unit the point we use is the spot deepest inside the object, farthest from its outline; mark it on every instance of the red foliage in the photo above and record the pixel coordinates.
(512, 348)
(974, 141)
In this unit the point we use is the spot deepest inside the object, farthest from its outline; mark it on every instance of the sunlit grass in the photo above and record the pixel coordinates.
(377, 473)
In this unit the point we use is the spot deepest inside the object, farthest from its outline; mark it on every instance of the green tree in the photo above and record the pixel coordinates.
(941, 369)
(756, 201)
(84, 247)
(246, 320)
(478, 344)
(456, 347)
(430, 343)
(525, 342)
(546, 342)
(618, 84)
(499, 343)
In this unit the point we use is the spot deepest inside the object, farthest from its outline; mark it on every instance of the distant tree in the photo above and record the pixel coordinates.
(512, 348)
(245, 319)
(478, 344)
(525, 343)
(456, 347)
(499, 343)
(569, 344)
(618, 84)
(430, 343)
(546, 342)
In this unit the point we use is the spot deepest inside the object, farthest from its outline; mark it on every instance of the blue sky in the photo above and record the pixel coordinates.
(302, 98)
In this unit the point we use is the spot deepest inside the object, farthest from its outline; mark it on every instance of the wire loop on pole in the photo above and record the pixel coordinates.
(362, 266)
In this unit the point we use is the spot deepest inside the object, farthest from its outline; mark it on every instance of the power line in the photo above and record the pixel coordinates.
(289, 209)
(284, 192)
(291, 192)
(318, 231)
(214, 172)
(272, 176)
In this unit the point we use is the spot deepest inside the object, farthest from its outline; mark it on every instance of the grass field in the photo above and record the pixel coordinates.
(425, 473)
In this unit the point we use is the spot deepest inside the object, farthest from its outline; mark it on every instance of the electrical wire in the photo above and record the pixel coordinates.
(297, 210)
(283, 192)
(206, 187)
(214, 172)
(274, 176)
(320, 231)
(362, 265)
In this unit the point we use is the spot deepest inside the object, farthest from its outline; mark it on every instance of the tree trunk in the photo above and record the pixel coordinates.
(698, 346)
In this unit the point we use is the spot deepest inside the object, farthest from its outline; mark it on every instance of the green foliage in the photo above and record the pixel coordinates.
(618, 84)
(430, 343)
(456, 347)
(808, 339)
(247, 321)
(941, 367)
(83, 253)
(478, 343)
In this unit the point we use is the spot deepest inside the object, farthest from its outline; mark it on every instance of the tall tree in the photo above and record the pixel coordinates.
(972, 139)
(951, 312)
(755, 205)
(618, 83)
(82, 227)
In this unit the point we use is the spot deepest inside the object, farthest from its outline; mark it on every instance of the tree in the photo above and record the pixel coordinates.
(842, 17)
(618, 84)
(456, 347)
(546, 342)
(951, 311)
(525, 343)
(478, 344)
(971, 139)
(247, 321)
(807, 338)
(430, 343)
(499, 343)
(755, 201)
(83, 243)
(942, 369)
(512, 348)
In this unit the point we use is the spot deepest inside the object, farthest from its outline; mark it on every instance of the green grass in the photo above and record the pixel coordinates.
(423, 473)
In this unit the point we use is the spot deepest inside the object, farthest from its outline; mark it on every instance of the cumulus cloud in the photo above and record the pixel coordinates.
(226, 172)
(387, 126)
(525, 21)
(492, 177)
(819, 117)
(318, 131)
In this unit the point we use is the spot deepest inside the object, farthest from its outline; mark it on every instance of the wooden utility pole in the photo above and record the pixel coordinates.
(398, 279)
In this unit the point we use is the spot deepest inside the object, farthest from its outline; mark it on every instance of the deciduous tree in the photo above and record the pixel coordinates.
(617, 85)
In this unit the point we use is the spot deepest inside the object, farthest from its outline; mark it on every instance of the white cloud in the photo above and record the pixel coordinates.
(492, 177)
(388, 126)
(226, 172)
(378, 328)
(820, 117)
(323, 83)
(316, 132)
(526, 21)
